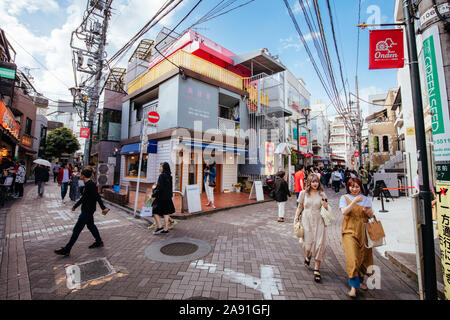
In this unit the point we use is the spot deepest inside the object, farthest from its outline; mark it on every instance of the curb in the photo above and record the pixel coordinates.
(411, 272)
(180, 216)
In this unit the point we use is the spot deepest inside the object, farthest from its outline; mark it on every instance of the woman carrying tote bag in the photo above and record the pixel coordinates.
(311, 201)
(357, 209)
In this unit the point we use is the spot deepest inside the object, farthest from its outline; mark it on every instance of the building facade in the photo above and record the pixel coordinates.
(340, 143)
(208, 100)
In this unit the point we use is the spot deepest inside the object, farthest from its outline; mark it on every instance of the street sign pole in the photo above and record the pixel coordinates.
(430, 285)
(144, 141)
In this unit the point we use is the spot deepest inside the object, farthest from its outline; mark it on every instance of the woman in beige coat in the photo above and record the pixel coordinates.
(314, 245)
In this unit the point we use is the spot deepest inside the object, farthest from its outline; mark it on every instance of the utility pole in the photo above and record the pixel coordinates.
(298, 143)
(359, 126)
(88, 49)
(430, 286)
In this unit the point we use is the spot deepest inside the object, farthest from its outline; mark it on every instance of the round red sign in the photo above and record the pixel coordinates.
(356, 154)
(153, 117)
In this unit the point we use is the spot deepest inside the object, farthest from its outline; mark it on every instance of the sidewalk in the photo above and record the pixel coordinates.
(249, 256)
(222, 201)
(400, 248)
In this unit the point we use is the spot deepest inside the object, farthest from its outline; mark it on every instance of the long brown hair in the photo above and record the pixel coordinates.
(311, 178)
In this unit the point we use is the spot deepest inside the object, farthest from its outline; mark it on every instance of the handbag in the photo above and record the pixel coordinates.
(375, 236)
(212, 184)
(327, 215)
(298, 229)
(147, 209)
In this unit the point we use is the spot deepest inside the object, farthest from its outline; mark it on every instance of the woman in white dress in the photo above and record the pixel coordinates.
(314, 242)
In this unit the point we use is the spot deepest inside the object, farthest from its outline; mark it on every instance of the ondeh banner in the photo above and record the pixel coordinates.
(386, 49)
(84, 132)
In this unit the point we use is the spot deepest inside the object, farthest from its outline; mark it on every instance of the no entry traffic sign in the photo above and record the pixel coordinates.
(153, 116)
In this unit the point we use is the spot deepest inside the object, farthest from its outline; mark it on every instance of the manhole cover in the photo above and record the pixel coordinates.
(179, 249)
(90, 270)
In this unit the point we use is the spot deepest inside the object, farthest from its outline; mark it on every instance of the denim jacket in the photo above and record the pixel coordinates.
(211, 175)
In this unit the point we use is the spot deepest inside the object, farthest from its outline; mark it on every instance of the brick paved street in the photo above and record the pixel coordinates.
(252, 256)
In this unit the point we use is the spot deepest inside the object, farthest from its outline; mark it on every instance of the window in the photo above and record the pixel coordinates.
(110, 125)
(28, 126)
(376, 146)
(132, 166)
(385, 143)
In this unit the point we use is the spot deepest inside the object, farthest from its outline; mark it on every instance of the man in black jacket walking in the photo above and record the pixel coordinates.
(41, 176)
(88, 202)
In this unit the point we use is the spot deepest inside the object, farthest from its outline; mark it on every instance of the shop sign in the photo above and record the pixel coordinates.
(303, 141)
(84, 132)
(27, 141)
(430, 14)
(270, 159)
(443, 215)
(8, 122)
(7, 78)
(437, 94)
(386, 49)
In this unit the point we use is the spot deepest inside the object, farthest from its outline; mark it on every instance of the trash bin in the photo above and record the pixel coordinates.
(117, 189)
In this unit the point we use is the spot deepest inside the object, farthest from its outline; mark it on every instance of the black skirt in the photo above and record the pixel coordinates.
(163, 207)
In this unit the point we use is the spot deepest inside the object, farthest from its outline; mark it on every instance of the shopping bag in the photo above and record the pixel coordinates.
(298, 229)
(375, 236)
(327, 215)
(147, 209)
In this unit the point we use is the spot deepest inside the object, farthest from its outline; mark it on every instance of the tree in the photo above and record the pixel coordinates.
(60, 141)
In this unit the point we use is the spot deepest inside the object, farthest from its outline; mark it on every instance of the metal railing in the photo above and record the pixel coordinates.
(191, 62)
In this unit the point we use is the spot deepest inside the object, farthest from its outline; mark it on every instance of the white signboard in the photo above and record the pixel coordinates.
(257, 191)
(192, 197)
(112, 160)
(436, 90)
(430, 14)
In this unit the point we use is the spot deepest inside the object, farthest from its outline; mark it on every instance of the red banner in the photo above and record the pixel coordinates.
(84, 132)
(386, 49)
(303, 141)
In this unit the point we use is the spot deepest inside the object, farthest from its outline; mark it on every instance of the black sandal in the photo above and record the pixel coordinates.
(307, 263)
(317, 276)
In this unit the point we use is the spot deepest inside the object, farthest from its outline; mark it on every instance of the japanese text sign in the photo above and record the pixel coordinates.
(443, 210)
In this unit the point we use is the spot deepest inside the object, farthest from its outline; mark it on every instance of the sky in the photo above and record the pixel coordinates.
(40, 32)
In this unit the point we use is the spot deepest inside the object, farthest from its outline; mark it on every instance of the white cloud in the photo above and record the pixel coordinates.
(295, 42)
(53, 50)
(15, 7)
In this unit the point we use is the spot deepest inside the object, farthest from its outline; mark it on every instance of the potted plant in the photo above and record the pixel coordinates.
(238, 187)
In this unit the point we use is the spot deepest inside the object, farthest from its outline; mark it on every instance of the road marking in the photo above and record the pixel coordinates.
(267, 284)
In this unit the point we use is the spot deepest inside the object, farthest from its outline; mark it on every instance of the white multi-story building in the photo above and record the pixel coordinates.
(319, 132)
(340, 143)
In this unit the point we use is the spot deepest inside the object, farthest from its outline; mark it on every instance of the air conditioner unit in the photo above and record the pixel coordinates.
(105, 174)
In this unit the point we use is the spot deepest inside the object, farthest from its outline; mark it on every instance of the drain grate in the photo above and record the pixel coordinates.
(179, 249)
(93, 270)
(82, 273)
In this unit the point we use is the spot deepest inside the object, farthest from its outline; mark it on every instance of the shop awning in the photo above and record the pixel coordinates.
(212, 146)
(133, 148)
(283, 148)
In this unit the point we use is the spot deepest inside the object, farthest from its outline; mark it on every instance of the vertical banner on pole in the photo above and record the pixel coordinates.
(386, 49)
(270, 159)
(443, 216)
(437, 95)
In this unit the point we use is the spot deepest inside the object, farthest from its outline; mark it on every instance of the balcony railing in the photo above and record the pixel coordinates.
(227, 126)
(203, 67)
